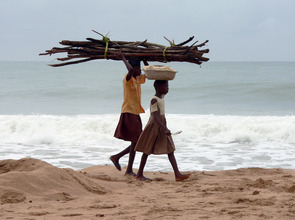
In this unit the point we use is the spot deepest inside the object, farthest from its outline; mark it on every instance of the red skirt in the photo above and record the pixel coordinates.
(129, 127)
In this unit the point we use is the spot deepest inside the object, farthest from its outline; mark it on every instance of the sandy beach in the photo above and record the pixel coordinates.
(34, 189)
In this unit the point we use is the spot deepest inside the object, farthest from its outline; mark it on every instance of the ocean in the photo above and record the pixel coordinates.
(232, 114)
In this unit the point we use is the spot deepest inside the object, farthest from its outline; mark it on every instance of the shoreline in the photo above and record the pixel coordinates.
(33, 189)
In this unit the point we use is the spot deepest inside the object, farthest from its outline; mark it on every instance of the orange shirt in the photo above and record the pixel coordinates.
(132, 95)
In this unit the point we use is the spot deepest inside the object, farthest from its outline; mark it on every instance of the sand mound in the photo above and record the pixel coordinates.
(24, 165)
(25, 178)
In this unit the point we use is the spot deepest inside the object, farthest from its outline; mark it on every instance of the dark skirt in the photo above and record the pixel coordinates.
(129, 127)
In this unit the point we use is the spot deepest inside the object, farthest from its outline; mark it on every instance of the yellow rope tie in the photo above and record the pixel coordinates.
(106, 40)
(164, 51)
(164, 54)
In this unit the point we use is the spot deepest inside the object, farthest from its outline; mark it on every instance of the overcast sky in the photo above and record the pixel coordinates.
(237, 30)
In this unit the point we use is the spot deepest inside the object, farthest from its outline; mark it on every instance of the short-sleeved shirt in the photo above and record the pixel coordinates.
(132, 95)
(158, 106)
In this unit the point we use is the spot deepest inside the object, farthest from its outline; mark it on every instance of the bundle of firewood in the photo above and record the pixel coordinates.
(83, 51)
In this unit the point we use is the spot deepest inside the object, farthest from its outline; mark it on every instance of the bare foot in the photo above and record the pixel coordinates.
(182, 177)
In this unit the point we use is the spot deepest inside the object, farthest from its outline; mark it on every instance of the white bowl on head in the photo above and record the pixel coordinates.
(159, 72)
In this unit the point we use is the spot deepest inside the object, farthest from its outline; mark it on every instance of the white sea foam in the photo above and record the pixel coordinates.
(208, 142)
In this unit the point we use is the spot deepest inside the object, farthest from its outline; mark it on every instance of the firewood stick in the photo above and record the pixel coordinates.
(83, 51)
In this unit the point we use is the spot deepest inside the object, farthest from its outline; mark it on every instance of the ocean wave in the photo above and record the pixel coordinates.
(237, 129)
(85, 129)
(207, 142)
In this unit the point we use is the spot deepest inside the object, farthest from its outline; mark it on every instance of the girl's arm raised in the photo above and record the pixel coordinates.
(127, 64)
(145, 63)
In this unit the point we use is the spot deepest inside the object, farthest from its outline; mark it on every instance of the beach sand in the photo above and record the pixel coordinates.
(34, 189)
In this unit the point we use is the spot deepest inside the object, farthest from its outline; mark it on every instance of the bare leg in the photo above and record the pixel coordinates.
(178, 175)
(115, 158)
(141, 167)
(131, 159)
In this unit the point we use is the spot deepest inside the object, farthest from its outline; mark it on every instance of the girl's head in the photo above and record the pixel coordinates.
(161, 86)
(136, 67)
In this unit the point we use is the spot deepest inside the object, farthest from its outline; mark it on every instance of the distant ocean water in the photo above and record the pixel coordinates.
(232, 114)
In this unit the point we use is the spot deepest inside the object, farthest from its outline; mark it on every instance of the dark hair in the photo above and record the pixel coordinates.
(159, 82)
(134, 63)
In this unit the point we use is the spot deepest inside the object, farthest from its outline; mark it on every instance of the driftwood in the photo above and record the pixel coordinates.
(83, 51)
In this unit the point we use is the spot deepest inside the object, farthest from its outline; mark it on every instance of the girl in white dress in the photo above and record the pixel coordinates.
(156, 137)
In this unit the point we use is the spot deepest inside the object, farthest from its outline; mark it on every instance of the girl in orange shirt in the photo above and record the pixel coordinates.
(129, 126)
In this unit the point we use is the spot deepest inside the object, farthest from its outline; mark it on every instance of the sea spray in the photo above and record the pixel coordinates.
(208, 142)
